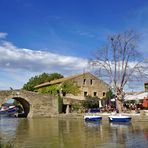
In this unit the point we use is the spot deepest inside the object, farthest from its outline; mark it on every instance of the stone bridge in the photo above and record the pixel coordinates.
(34, 104)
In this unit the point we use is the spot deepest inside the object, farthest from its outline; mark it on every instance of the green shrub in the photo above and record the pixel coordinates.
(91, 102)
(76, 106)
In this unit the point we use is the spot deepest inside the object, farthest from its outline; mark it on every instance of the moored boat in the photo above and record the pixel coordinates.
(92, 117)
(119, 118)
(12, 110)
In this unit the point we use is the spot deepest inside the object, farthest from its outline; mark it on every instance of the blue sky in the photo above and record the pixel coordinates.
(59, 35)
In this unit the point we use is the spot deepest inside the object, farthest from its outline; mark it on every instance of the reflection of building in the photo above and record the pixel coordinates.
(88, 84)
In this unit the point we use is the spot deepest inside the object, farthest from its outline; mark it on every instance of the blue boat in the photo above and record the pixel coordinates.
(119, 118)
(12, 110)
(92, 118)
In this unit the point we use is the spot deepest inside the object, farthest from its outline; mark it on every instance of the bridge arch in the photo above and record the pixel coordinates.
(25, 104)
(34, 104)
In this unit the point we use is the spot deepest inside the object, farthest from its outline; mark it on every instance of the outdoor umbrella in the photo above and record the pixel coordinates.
(145, 102)
(136, 97)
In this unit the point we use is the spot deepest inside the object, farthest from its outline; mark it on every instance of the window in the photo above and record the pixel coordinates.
(91, 81)
(85, 93)
(103, 93)
(84, 81)
(95, 94)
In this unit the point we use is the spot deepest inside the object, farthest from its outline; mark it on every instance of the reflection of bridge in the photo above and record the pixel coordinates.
(34, 104)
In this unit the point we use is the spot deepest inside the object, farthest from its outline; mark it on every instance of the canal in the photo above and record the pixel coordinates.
(71, 133)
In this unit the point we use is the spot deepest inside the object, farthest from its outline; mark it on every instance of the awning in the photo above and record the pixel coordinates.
(136, 96)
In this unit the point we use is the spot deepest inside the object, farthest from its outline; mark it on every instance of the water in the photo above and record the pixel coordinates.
(71, 133)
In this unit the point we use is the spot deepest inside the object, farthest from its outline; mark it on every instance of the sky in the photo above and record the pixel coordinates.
(39, 36)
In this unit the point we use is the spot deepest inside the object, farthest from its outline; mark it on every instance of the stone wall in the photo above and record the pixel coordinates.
(90, 84)
(40, 105)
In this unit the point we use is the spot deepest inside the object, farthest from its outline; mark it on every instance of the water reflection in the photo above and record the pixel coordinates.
(8, 127)
(120, 124)
(119, 132)
(92, 124)
(7, 131)
(65, 133)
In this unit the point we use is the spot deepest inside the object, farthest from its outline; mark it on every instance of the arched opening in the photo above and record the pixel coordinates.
(22, 105)
(25, 105)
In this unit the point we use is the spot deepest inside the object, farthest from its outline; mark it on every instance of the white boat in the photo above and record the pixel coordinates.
(119, 118)
(92, 117)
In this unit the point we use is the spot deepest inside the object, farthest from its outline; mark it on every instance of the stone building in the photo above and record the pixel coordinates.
(88, 84)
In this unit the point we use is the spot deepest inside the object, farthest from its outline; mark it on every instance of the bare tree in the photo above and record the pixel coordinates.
(120, 62)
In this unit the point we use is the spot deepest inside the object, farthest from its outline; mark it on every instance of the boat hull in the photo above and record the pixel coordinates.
(92, 118)
(119, 118)
(9, 112)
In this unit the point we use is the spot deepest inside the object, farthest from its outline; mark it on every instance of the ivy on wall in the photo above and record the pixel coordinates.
(70, 87)
(52, 89)
(60, 104)
(67, 87)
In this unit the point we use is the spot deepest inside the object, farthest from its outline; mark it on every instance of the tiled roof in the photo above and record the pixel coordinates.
(60, 80)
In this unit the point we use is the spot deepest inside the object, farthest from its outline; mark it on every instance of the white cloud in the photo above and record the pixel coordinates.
(3, 34)
(36, 61)
(17, 65)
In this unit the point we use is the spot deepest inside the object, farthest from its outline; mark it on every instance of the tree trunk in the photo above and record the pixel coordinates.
(119, 103)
